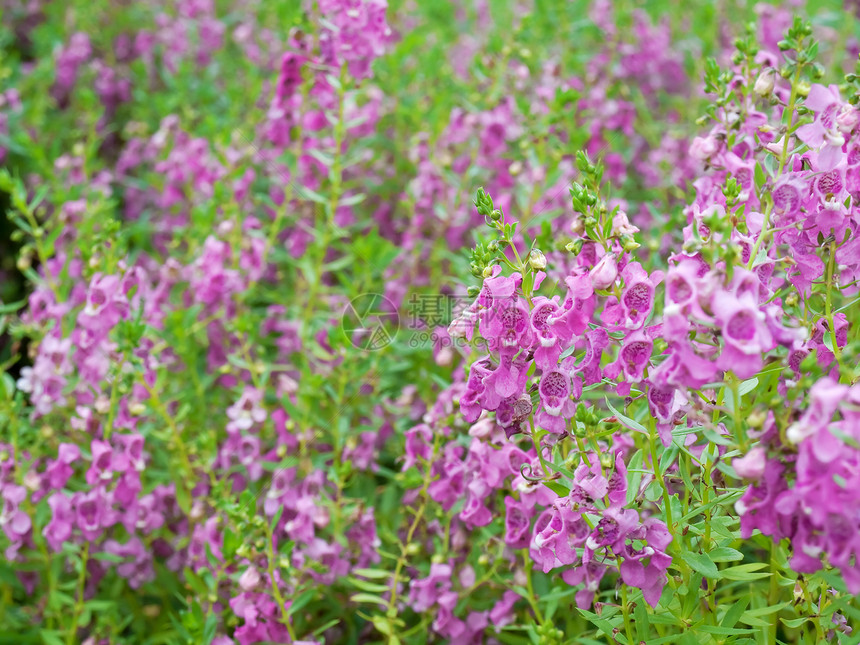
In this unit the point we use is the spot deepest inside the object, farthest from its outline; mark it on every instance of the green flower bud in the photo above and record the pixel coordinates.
(574, 247)
(537, 260)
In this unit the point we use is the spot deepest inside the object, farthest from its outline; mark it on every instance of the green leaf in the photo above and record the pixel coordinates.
(766, 611)
(760, 178)
(718, 439)
(209, 628)
(365, 585)
(794, 622)
(372, 573)
(107, 557)
(183, 496)
(669, 457)
(231, 543)
(745, 572)
(747, 386)
(725, 554)
(722, 631)
(735, 611)
(557, 488)
(11, 307)
(626, 421)
(701, 563)
(276, 518)
(311, 195)
(561, 470)
(51, 637)
(634, 469)
(366, 597)
(301, 601)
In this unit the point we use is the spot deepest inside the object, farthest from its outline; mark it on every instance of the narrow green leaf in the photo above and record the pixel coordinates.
(625, 420)
(366, 597)
(725, 554)
(701, 563)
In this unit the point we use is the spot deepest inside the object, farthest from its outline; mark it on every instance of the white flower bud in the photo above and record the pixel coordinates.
(765, 82)
(537, 260)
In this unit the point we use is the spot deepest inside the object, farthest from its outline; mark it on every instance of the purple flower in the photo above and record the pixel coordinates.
(637, 298)
(745, 332)
(833, 120)
(751, 465)
(59, 529)
(517, 523)
(604, 273)
(15, 522)
(60, 470)
(247, 411)
(589, 574)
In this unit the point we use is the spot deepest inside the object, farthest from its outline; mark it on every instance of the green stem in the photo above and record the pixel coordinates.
(736, 412)
(276, 591)
(114, 395)
(625, 611)
(176, 434)
(773, 592)
(404, 546)
(783, 157)
(655, 462)
(530, 588)
(71, 635)
(336, 179)
(828, 307)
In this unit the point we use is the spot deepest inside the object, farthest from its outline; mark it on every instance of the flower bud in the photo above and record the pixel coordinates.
(249, 580)
(537, 260)
(150, 611)
(703, 148)
(574, 247)
(751, 466)
(604, 273)
(765, 82)
(757, 418)
(32, 480)
(847, 118)
(487, 272)
(629, 244)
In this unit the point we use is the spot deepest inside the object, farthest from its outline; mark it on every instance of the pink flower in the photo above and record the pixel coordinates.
(604, 272)
(833, 120)
(751, 465)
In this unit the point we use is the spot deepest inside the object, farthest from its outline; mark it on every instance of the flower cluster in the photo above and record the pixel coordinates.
(638, 423)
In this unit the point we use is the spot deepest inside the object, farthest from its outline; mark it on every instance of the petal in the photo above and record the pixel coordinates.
(820, 98)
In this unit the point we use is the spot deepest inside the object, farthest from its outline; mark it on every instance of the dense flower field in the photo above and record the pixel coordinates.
(467, 321)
